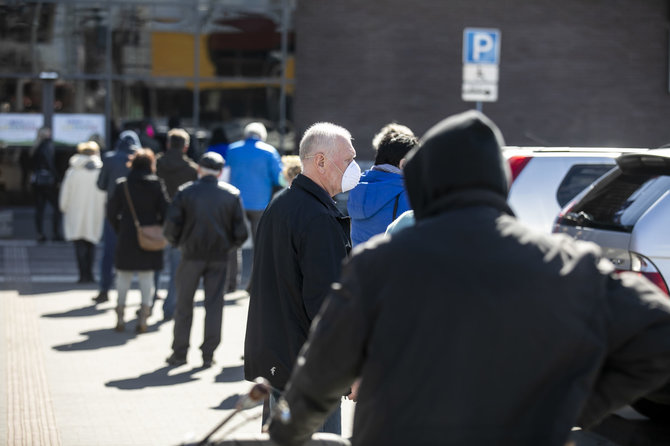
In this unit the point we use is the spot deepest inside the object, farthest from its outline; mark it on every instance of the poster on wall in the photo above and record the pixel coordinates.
(19, 129)
(71, 129)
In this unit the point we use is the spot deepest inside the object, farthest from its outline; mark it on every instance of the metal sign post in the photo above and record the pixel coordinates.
(481, 56)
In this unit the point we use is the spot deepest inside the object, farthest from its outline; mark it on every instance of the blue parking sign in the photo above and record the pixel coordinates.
(481, 46)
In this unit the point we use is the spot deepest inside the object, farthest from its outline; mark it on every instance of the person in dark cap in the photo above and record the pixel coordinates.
(114, 166)
(470, 328)
(205, 221)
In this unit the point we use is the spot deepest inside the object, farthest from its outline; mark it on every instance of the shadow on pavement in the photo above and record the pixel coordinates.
(102, 338)
(230, 374)
(33, 288)
(156, 378)
(91, 310)
(228, 403)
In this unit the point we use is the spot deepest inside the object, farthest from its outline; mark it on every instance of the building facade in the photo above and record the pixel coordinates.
(571, 73)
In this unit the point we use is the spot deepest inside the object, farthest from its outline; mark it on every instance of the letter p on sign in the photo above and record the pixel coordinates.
(481, 46)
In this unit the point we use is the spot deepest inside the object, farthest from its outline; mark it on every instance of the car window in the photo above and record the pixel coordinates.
(578, 178)
(617, 202)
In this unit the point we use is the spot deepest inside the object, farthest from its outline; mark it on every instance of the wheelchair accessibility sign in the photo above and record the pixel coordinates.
(481, 55)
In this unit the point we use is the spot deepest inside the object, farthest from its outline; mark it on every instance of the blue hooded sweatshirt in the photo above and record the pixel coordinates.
(371, 203)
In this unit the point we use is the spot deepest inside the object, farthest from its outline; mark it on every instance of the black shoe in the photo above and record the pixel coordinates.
(101, 298)
(207, 363)
(175, 360)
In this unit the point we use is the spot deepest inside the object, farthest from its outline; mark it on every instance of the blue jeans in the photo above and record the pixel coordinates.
(332, 425)
(170, 302)
(107, 261)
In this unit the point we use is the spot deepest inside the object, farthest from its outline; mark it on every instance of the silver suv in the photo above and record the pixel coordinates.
(546, 178)
(627, 212)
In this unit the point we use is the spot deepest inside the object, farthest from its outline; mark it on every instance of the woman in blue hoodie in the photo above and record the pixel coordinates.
(380, 195)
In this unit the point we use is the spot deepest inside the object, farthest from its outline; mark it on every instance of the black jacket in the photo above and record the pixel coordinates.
(43, 157)
(175, 169)
(302, 240)
(150, 201)
(471, 329)
(206, 220)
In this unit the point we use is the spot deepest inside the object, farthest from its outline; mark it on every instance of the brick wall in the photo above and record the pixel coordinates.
(574, 72)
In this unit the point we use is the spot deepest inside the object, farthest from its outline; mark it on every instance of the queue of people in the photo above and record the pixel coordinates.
(458, 326)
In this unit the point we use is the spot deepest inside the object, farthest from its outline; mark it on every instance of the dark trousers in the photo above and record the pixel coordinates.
(44, 195)
(187, 279)
(85, 252)
(107, 261)
(254, 217)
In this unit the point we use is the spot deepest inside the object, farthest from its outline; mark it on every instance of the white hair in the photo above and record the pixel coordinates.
(321, 136)
(256, 129)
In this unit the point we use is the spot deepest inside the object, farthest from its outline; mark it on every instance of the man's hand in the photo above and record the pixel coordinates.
(353, 396)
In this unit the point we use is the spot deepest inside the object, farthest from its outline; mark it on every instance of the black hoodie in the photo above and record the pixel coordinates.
(461, 153)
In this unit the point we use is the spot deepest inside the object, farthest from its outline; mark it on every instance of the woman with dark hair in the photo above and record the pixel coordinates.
(149, 200)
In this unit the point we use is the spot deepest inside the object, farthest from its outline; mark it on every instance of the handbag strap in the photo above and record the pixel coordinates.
(130, 204)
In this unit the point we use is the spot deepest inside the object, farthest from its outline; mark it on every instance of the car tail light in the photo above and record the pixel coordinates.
(643, 266)
(516, 164)
(559, 220)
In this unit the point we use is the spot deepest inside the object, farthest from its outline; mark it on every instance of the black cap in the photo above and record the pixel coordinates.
(211, 160)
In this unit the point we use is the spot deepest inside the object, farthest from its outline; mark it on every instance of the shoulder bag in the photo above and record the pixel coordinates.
(149, 237)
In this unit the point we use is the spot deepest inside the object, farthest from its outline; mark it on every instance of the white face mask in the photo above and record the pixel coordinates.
(351, 176)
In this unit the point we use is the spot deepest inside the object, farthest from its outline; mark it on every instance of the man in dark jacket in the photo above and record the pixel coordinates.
(114, 166)
(469, 328)
(174, 168)
(205, 220)
(302, 240)
(44, 180)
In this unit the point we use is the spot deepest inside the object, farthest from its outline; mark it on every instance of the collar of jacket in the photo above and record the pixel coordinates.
(317, 191)
(209, 179)
(464, 198)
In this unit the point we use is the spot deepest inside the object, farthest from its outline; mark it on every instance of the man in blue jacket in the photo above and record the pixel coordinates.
(380, 196)
(255, 169)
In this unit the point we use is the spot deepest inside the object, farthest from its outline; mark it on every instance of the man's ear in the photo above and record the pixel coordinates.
(320, 161)
(401, 164)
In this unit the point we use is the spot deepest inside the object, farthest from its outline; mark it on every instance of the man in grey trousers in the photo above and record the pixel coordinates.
(205, 221)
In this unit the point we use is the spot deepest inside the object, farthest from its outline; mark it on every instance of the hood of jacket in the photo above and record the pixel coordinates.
(374, 191)
(128, 142)
(89, 162)
(462, 153)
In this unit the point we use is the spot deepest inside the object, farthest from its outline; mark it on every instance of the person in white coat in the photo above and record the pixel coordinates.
(83, 206)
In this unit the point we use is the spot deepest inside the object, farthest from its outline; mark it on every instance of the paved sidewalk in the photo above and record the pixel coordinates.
(67, 378)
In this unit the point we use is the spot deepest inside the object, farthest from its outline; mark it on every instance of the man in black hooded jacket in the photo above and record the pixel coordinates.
(469, 328)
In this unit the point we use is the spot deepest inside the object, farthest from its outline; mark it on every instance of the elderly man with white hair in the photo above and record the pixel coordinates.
(302, 240)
